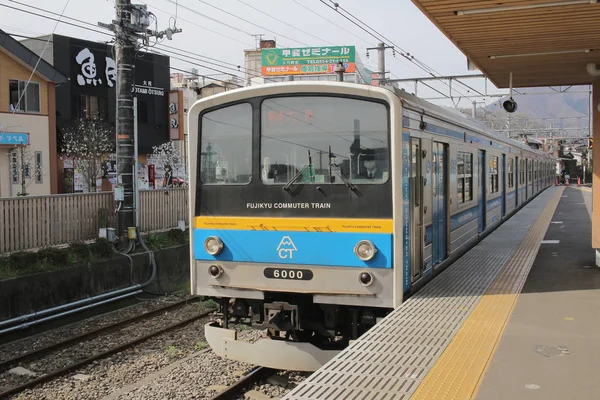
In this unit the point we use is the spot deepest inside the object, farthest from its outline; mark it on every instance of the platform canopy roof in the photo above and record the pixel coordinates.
(542, 42)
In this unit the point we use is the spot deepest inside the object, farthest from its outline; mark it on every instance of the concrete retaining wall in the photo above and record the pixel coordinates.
(26, 294)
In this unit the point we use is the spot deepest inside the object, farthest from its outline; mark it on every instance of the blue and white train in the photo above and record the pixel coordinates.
(318, 207)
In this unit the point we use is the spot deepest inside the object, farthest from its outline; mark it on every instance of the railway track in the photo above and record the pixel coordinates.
(247, 381)
(111, 328)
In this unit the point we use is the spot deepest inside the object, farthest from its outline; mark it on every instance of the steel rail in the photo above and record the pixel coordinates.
(117, 349)
(38, 353)
(252, 377)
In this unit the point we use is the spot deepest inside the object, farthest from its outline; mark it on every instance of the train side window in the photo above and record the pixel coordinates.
(493, 174)
(511, 173)
(464, 181)
(226, 146)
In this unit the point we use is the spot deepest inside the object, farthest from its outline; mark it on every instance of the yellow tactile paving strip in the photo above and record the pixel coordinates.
(460, 369)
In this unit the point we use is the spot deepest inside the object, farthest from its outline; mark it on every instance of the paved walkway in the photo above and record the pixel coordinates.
(551, 346)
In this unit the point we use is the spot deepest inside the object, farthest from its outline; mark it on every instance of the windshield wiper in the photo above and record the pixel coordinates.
(340, 173)
(300, 173)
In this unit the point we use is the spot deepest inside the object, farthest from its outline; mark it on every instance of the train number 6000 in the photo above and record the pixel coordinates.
(287, 273)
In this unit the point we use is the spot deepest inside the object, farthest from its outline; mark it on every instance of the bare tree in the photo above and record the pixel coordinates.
(88, 144)
(169, 156)
(24, 167)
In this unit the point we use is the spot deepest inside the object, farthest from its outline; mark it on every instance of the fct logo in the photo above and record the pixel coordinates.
(286, 248)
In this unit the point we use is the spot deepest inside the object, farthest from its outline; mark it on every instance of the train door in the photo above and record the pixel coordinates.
(482, 185)
(504, 178)
(517, 183)
(416, 206)
(427, 200)
(440, 208)
(527, 169)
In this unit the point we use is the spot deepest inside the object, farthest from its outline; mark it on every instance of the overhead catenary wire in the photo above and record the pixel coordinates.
(380, 37)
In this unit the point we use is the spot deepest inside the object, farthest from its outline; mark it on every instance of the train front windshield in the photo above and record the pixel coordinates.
(275, 143)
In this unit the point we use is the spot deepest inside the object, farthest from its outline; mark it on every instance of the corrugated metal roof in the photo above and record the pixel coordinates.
(543, 42)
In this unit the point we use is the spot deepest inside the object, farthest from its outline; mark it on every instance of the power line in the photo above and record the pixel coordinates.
(40, 57)
(286, 23)
(211, 18)
(104, 33)
(249, 22)
(377, 35)
(141, 59)
(200, 26)
(330, 21)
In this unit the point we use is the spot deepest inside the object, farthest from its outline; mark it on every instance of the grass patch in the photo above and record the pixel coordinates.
(162, 240)
(201, 345)
(173, 351)
(208, 304)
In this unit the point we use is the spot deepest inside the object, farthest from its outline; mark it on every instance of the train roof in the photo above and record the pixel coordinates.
(409, 100)
(417, 104)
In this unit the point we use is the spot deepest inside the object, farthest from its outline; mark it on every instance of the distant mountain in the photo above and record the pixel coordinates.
(552, 106)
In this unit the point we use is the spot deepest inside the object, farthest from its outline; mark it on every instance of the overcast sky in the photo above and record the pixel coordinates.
(225, 36)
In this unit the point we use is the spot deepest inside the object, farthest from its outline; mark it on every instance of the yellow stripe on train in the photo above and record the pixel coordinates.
(295, 224)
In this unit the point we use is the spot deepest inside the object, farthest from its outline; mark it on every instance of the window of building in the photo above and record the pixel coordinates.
(38, 167)
(24, 97)
(493, 174)
(511, 173)
(84, 106)
(464, 177)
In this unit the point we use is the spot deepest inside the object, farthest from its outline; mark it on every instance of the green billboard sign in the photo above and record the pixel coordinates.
(305, 60)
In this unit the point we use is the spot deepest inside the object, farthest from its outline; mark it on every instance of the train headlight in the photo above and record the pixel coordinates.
(215, 271)
(365, 278)
(365, 250)
(213, 245)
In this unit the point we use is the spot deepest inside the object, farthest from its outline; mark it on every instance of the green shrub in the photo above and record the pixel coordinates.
(5, 270)
(79, 252)
(177, 235)
(23, 260)
(53, 257)
(102, 249)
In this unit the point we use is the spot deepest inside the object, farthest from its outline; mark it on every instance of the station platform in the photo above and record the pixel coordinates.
(517, 317)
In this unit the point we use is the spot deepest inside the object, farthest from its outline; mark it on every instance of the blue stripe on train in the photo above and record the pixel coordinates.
(310, 248)
(492, 204)
(463, 218)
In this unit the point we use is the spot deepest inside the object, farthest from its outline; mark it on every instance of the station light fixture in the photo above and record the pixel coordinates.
(524, 7)
(547, 53)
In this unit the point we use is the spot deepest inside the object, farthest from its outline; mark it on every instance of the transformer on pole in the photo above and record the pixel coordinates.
(130, 27)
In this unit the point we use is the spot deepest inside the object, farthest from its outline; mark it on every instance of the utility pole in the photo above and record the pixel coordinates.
(381, 47)
(130, 27)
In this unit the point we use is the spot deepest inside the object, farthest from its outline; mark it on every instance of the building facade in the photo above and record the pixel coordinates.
(28, 156)
(91, 92)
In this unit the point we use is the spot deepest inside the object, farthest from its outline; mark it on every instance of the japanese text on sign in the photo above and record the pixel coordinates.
(311, 60)
(13, 139)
